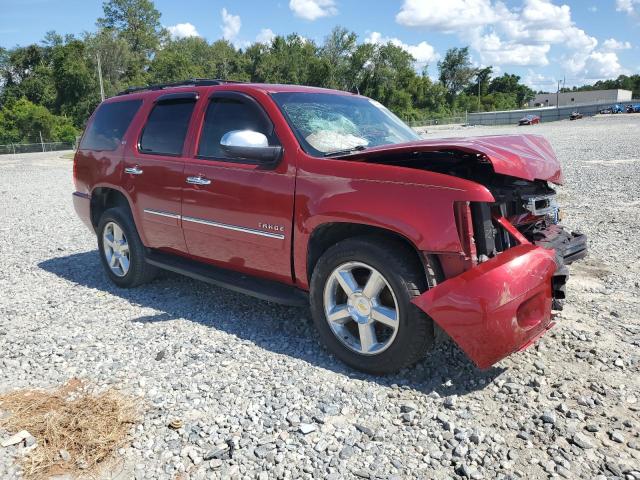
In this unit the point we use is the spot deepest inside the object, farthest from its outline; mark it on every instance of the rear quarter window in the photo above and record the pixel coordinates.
(166, 128)
(109, 125)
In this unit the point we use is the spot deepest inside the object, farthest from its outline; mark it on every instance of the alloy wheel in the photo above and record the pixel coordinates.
(361, 308)
(116, 249)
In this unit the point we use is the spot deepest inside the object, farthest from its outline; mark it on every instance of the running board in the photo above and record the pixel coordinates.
(268, 290)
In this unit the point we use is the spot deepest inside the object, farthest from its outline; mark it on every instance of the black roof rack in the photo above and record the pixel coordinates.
(191, 82)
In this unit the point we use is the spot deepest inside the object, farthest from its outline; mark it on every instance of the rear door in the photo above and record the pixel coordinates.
(240, 215)
(154, 170)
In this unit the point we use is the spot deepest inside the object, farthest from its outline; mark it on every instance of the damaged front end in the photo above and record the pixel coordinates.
(516, 255)
(525, 212)
(511, 270)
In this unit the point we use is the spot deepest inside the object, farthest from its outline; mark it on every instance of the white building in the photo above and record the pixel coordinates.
(578, 98)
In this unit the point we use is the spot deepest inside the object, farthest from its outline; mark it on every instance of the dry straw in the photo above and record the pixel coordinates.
(89, 426)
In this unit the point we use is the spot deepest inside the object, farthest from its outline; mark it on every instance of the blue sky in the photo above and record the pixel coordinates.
(540, 40)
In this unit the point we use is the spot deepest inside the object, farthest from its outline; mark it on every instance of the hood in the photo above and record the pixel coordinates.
(529, 157)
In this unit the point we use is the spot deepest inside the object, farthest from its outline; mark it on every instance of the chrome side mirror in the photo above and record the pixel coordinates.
(250, 145)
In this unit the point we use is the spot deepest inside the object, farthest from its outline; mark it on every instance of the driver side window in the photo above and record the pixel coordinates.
(226, 114)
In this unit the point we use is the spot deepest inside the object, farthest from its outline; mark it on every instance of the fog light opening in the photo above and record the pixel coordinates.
(531, 312)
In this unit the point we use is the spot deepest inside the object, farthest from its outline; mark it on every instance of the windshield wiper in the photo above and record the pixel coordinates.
(346, 151)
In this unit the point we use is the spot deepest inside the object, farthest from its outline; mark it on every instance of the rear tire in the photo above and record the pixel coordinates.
(121, 250)
(362, 331)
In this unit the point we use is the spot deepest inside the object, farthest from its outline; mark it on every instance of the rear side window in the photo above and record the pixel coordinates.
(227, 114)
(166, 128)
(109, 125)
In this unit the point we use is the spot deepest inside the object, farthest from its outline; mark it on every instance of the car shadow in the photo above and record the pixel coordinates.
(284, 330)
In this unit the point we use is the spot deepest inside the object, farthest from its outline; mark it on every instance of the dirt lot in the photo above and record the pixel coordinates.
(259, 398)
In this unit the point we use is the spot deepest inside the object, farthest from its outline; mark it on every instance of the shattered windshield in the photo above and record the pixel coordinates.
(326, 123)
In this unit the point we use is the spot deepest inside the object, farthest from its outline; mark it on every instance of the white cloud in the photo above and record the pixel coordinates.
(613, 44)
(538, 81)
(546, 14)
(422, 52)
(313, 9)
(593, 9)
(448, 16)
(542, 22)
(230, 25)
(183, 30)
(630, 7)
(602, 65)
(266, 35)
(521, 36)
(595, 65)
(494, 51)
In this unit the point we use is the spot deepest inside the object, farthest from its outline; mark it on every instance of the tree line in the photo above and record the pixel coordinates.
(52, 87)
(623, 82)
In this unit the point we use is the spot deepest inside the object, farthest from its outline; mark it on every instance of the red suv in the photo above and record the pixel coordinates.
(295, 195)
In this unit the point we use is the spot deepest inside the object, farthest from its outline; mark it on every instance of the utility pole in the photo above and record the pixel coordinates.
(100, 77)
(558, 99)
(478, 93)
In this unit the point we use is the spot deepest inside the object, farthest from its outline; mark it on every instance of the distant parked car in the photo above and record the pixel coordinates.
(633, 108)
(575, 116)
(529, 120)
(613, 109)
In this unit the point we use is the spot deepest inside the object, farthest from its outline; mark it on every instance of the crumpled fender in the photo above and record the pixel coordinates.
(529, 157)
(498, 307)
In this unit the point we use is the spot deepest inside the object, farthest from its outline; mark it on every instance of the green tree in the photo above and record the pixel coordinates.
(510, 84)
(456, 71)
(116, 60)
(179, 60)
(288, 59)
(335, 56)
(388, 71)
(481, 82)
(226, 62)
(429, 98)
(138, 23)
(74, 80)
(23, 121)
(26, 73)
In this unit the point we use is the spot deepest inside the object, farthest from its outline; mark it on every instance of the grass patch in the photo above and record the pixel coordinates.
(89, 426)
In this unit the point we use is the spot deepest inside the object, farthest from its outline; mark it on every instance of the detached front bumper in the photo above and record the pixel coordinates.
(498, 307)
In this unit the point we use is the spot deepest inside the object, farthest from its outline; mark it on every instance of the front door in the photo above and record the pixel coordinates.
(154, 171)
(236, 213)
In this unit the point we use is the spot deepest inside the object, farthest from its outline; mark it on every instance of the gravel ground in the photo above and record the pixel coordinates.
(259, 397)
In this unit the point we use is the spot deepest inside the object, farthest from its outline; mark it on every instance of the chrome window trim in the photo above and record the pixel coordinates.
(235, 228)
(162, 213)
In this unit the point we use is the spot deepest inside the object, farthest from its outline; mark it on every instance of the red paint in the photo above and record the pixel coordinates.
(491, 309)
(529, 120)
(524, 156)
(479, 309)
(244, 195)
(515, 233)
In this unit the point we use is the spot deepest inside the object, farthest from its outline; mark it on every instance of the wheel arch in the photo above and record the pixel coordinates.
(327, 234)
(105, 197)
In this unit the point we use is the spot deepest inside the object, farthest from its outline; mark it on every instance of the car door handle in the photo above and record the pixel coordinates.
(133, 170)
(199, 180)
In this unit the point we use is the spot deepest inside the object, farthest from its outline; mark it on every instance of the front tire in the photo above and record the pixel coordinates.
(361, 292)
(121, 250)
